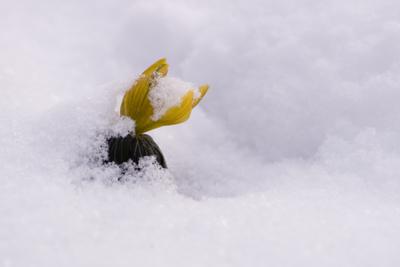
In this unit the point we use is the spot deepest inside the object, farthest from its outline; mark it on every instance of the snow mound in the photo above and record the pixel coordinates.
(293, 159)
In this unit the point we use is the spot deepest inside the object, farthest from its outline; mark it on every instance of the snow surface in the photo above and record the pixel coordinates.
(167, 93)
(291, 159)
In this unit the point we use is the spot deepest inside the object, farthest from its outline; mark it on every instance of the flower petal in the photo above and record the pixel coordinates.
(160, 66)
(174, 115)
(179, 113)
(135, 103)
(203, 90)
(135, 99)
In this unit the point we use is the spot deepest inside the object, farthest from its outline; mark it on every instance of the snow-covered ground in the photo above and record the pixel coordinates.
(291, 159)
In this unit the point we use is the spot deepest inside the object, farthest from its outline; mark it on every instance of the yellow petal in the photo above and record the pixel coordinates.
(135, 103)
(179, 113)
(174, 115)
(203, 90)
(160, 66)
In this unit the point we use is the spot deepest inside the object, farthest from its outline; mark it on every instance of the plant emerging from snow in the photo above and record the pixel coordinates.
(154, 100)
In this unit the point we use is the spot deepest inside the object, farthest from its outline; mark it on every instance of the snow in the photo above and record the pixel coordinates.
(291, 159)
(123, 126)
(167, 93)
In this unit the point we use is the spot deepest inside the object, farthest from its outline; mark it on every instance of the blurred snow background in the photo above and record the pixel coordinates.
(292, 159)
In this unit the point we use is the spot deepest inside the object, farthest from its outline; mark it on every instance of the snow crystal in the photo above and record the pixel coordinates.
(168, 92)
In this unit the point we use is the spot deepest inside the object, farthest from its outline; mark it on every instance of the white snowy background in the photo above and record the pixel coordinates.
(291, 159)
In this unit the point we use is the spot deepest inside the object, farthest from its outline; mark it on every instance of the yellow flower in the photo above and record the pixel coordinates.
(137, 105)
